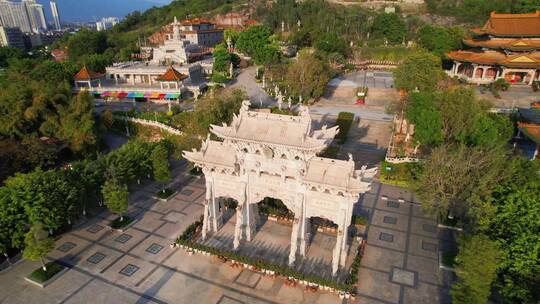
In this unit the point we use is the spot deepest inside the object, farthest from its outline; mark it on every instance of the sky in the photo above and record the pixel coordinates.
(94, 10)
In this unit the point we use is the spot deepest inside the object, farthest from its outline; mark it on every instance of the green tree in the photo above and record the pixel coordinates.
(255, 42)
(37, 244)
(491, 130)
(390, 27)
(86, 42)
(476, 269)
(78, 125)
(8, 53)
(525, 6)
(440, 40)
(116, 197)
(222, 59)
(420, 71)
(160, 164)
(424, 114)
(457, 180)
(331, 43)
(48, 197)
(515, 228)
(12, 221)
(308, 76)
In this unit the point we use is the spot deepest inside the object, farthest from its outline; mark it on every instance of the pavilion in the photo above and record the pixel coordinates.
(271, 155)
(506, 47)
(86, 78)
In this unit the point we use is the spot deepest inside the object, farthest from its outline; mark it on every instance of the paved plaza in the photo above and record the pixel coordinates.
(401, 259)
(138, 266)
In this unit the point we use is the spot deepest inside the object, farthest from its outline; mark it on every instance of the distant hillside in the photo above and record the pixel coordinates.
(92, 10)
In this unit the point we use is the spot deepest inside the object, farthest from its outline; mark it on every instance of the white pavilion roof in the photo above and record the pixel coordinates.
(275, 129)
(214, 153)
(339, 174)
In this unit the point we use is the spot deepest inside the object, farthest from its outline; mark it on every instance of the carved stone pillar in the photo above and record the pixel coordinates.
(294, 240)
(238, 225)
(305, 235)
(252, 214)
(205, 221)
(337, 251)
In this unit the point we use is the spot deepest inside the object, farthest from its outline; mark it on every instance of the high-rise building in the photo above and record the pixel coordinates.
(27, 15)
(56, 16)
(106, 23)
(11, 37)
(14, 14)
(36, 16)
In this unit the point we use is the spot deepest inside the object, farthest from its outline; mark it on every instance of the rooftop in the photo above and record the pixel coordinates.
(172, 75)
(513, 44)
(512, 25)
(86, 74)
(275, 129)
(524, 60)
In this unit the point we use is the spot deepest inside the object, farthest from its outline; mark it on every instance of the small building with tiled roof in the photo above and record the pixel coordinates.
(506, 47)
(87, 78)
(171, 78)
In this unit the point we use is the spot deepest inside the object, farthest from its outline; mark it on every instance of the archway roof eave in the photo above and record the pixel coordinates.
(319, 146)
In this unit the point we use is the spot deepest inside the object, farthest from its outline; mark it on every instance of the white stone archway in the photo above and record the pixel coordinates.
(270, 155)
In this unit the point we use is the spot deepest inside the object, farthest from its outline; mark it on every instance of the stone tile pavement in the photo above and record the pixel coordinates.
(138, 266)
(401, 259)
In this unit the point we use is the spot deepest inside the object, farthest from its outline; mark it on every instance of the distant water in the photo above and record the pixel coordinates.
(94, 10)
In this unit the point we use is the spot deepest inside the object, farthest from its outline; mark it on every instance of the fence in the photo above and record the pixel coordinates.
(151, 123)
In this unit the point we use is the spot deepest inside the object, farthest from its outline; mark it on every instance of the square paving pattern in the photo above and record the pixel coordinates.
(154, 248)
(404, 277)
(129, 270)
(96, 258)
(67, 246)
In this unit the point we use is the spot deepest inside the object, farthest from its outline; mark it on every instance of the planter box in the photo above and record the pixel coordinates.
(165, 199)
(123, 229)
(49, 281)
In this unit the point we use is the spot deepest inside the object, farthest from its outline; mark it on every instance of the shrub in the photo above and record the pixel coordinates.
(359, 220)
(500, 85)
(219, 78)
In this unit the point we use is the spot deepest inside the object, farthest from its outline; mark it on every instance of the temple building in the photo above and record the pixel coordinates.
(270, 155)
(506, 47)
(169, 73)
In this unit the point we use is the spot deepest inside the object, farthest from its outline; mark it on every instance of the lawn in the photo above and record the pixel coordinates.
(41, 276)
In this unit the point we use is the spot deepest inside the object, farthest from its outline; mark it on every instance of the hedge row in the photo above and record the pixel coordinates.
(344, 121)
(186, 239)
